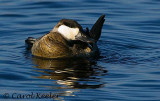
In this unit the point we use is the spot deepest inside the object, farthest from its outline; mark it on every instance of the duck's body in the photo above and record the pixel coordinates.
(68, 40)
(54, 45)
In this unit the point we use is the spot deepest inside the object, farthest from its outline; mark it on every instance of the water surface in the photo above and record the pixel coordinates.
(129, 66)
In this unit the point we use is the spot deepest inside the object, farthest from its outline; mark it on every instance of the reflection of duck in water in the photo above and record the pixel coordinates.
(69, 76)
(71, 73)
(67, 39)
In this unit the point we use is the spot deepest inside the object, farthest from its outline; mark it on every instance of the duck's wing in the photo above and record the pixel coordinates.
(29, 42)
(51, 45)
(95, 32)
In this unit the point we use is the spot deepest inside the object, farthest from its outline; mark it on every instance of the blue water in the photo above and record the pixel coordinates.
(129, 66)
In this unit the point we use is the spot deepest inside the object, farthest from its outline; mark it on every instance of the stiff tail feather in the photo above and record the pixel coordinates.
(95, 31)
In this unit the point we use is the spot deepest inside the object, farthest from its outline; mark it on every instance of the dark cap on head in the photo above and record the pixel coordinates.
(70, 23)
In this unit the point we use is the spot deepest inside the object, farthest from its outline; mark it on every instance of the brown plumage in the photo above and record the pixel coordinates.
(56, 45)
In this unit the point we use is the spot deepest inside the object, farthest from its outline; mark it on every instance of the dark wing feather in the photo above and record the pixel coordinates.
(29, 42)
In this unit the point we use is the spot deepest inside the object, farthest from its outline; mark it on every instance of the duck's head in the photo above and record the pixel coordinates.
(71, 30)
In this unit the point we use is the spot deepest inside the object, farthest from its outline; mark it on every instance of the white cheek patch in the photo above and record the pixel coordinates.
(68, 32)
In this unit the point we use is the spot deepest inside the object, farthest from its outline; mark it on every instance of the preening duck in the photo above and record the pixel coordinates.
(68, 40)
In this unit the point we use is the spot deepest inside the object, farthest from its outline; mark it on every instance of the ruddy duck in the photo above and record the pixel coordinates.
(68, 39)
